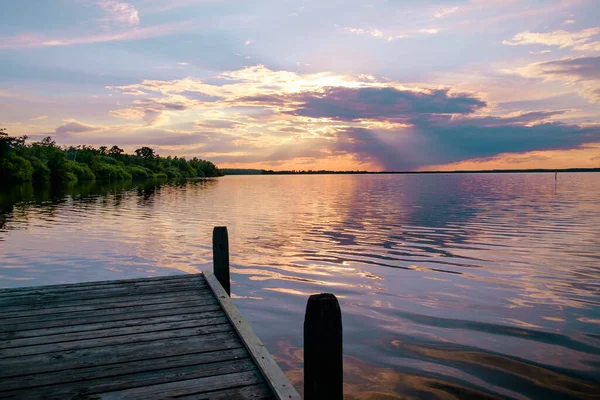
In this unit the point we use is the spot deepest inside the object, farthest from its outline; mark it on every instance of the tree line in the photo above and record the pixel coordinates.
(45, 161)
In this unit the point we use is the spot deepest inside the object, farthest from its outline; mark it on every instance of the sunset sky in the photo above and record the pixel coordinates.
(313, 84)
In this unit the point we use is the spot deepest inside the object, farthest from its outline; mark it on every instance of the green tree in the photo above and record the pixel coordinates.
(115, 151)
(46, 161)
(145, 152)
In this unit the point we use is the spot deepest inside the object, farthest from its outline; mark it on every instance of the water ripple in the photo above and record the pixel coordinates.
(468, 286)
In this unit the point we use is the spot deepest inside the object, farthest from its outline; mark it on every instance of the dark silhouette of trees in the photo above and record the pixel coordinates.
(116, 151)
(145, 152)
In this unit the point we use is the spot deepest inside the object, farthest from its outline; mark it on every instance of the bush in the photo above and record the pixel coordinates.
(110, 172)
(108, 160)
(41, 172)
(160, 175)
(15, 169)
(139, 172)
(173, 172)
(81, 171)
(69, 177)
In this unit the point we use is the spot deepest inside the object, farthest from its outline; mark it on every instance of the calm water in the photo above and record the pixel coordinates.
(451, 286)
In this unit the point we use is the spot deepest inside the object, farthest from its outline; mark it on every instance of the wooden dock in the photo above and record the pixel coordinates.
(153, 338)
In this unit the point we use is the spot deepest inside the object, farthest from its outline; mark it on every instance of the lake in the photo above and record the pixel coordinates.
(451, 285)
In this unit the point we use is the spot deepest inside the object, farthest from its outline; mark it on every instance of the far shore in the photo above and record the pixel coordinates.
(235, 171)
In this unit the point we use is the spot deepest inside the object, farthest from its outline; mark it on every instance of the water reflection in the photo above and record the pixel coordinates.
(452, 286)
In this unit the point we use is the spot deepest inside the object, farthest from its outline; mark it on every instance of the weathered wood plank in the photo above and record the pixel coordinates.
(80, 378)
(104, 333)
(140, 338)
(118, 316)
(43, 363)
(95, 294)
(114, 340)
(40, 334)
(106, 284)
(188, 387)
(163, 298)
(252, 392)
(278, 382)
(167, 375)
(72, 305)
(51, 295)
(201, 301)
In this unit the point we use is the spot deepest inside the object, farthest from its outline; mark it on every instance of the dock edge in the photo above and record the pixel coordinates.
(276, 379)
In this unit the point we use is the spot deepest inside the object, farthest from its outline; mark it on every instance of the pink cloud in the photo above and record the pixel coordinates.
(581, 40)
(119, 13)
(29, 40)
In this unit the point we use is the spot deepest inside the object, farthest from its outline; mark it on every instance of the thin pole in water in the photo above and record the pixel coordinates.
(555, 175)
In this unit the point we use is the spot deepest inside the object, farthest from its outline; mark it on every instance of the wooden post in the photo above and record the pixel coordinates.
(221, 256)
(323, 370)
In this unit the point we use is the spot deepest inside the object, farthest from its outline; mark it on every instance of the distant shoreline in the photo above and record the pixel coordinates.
(234, 171)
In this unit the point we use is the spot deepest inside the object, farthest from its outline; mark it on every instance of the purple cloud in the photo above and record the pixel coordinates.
(349, 104)
(74, 127)
(584, 68)
(443, 140)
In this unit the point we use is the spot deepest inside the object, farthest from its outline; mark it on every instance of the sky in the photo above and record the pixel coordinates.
(310, 84)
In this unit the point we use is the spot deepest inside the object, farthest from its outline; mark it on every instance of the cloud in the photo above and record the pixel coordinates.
(465, 138)
(581, 41)
(585, 156)
(431, 31)
(75, 127)
(248, 42)
(569, 21)
(258, 115)
(581, 68)
(41, 117)
(248, 81)
(582, 72)
(28, 40)
(152, 110)
(119, 13)
(388, 103)
(442, 12)
(183, 63)
(376, 33)
(219, 124)
(444, 140)
(163, 6)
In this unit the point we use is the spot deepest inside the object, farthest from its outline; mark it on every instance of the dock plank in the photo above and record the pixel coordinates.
(188, 387)
(64, 288)
(94, 304)
(83, 312)
(39, 333)
(48, 362)
(148, 338)
(113, 340)
(112, 332)
(80, 378)
(126, 285)
(53, 297)
(140, 379)
(252, 392)
(53, 323)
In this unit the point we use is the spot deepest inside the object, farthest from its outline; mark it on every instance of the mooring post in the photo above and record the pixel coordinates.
(323, 370)
(221, 256)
